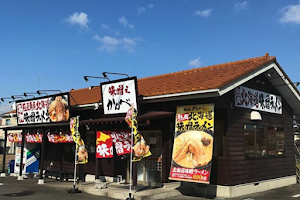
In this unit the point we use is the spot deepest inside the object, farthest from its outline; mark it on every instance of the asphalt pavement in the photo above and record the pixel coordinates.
(28, 189)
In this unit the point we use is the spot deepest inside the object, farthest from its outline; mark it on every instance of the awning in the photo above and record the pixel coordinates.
(147, 116)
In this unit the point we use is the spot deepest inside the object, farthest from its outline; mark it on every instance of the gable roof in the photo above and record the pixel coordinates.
(217, 79)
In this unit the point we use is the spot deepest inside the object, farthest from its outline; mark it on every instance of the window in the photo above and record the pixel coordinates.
(7, 122)
(261, 141)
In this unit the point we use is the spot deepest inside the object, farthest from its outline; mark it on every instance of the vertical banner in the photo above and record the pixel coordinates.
(193, 143)
(140, 148)
(82, 155)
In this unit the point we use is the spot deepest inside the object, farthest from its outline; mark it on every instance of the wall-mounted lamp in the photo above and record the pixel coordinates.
(255, 115)
(44, 91)
(16, 96)
(26, 94)
(86, 78)
(259, 83)
(2, 99)
(104, 74)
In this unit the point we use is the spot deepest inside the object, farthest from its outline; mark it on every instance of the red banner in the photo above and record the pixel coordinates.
(15, 137)
(34, 138)
(60, 138)
(104, 145)
(122, 141)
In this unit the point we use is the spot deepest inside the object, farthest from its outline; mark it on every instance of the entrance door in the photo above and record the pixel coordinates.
(149, 169)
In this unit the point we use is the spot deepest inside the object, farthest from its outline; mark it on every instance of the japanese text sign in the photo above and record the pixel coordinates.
(60, 138)
(257, 100)
(106, 139)
(14, 137)
(118, 96)
(44, 110)
(193, 143)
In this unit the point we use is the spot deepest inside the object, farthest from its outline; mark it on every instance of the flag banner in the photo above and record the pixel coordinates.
(60, 138)
(193, 143)
(121, 140)
(34, 138)
(82, 155)
(104, 145)
(140, 147)
(106, 139)
(15, 137)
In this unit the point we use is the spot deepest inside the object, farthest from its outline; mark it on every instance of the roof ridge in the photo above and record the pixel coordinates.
(266, 56)
(86, 88)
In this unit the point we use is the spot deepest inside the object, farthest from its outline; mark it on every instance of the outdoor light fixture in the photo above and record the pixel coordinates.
(105, 76)
(2, 99)
(44, 91)
(26, 94)
(86, 78)
(39, 93)
(16, 96)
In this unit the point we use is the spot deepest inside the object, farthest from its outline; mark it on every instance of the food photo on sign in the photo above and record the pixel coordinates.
(193, 143)
(58, 109)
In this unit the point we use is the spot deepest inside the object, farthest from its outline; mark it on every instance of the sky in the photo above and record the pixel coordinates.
(51, 45)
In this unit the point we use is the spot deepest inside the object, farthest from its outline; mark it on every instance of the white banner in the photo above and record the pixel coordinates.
(45, 110)
(257, 100)
(117, 97)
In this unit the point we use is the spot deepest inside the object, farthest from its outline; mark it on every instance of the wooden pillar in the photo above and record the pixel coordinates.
(4, 153)
(20, 177)
(42, 155)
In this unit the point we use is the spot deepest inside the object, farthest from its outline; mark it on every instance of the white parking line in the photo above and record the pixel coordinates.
(296, 195)
(1, 183)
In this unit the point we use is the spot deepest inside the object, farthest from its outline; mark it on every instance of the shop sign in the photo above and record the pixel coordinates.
(106, 139)
(117, 96)
(14, 137)
(193, 143)
(43, 110)
(60, 138)
(257, 100)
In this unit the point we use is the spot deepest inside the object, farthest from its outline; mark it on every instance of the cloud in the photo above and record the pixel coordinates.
(203, 13)
(80, 19)
(241, 6)
(195, 63)
(112, 44)
(104, 26)
(142, 10)
(125, 23)
(290, 14)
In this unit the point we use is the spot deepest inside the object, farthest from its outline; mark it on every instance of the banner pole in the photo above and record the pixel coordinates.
(75, 190)
(74, 183)
(130, 176)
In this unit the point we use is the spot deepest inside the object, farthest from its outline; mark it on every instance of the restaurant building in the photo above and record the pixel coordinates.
(249, 125)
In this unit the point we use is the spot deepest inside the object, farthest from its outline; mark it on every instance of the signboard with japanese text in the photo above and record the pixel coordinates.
(14, 137)
(257, 100)
(117, 96)
(60, 138)
(106, 139)
(193, 143)
(43, 110)
(104, 145)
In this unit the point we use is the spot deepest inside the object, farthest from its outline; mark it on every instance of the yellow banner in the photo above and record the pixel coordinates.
(140, 147)
(82, 155)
